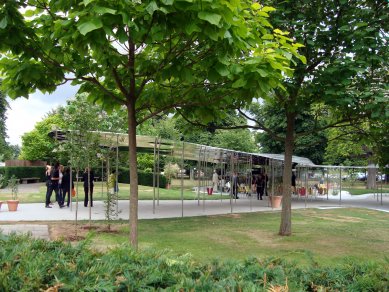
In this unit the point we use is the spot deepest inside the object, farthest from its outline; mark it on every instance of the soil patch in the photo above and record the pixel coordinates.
(73, 233)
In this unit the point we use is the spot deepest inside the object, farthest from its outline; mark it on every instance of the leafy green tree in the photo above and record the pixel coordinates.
(152, 57)
(36, 144)
(311, 145)
(345, 46)
(342, 80)
(240, 140)
(345, 147)
(6, 150)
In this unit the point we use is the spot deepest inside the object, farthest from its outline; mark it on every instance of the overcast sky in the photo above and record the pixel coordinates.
(25, 113)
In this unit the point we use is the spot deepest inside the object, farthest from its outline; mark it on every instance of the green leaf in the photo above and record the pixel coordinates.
(212, 18)
(191, 28)
(3, 23)
(255, 6)
(87, 2)
(262, 72)
(168, 2)
(239, 83)
(103, 10)
(152, 7)
(222, 69)
(89, 26)
(268, 9)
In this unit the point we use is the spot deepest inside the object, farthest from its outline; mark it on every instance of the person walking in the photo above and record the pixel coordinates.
(88, 186)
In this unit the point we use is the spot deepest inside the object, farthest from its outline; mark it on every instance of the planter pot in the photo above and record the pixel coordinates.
(276, 201)
(12, 205)
(168, 186)
(209, 191)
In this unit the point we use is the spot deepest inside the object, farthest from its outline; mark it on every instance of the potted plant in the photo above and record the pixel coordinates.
(276, 195)
(13, 184)
(170, 171)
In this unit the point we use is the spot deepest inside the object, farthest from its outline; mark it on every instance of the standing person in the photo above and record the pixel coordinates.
(88, 186)
(260, 183)
(48, 180)
(54, 178)
(293, 182)
(66, 186)
(235, 184)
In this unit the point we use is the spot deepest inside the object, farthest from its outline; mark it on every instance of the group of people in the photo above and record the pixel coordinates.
(259, 185)
(58, 181)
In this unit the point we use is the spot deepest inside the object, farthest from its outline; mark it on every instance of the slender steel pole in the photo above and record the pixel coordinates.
(340, 185)
(158, 167)
(182, 180)
(328, 185)
(198, 175)
(154, 172)
(116, 187)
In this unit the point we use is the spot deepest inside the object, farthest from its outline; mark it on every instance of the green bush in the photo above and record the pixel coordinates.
(23, 171)
(35, 265)
(144, 178)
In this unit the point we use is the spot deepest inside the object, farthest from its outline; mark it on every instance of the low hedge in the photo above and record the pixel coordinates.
(40, 265)
(144, 178)
(23, 171)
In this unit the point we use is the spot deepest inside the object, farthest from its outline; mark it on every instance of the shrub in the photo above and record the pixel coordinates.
(144, 178)
(23, 171)
(35, 265)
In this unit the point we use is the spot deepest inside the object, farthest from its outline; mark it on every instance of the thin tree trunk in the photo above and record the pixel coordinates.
(131, 100)
(286, 215)
(133, 176)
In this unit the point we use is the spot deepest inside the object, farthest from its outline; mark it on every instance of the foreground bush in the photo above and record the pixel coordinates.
(33, 265)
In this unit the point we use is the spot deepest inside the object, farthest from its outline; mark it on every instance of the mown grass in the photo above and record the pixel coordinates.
(323, 236)
(145, 193)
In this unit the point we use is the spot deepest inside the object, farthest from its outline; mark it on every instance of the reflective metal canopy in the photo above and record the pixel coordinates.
(189, 151)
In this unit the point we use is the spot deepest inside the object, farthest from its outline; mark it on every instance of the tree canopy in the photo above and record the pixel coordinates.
(150, 56)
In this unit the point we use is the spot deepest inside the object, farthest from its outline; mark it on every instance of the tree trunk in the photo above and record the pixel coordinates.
(133, 175)
(286, 215)
(371, 176)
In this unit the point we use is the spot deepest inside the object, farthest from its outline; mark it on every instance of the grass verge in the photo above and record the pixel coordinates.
(319, 236)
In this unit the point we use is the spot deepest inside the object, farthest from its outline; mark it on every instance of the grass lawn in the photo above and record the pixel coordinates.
(358, 191)
(145, 193)
(323, 236)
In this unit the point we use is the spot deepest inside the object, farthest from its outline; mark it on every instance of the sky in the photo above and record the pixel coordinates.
(24, 113)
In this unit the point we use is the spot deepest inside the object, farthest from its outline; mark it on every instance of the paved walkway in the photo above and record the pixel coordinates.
(170, 209)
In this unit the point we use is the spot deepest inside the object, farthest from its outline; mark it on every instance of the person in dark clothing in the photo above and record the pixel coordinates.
(260, 183)
(88, 186)
(54, 186)
(66, 186)
(293, 182)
